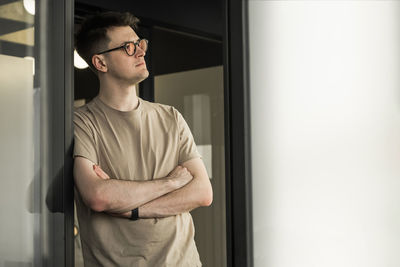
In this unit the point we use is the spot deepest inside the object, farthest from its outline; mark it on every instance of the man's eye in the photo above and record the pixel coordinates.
(130, 46)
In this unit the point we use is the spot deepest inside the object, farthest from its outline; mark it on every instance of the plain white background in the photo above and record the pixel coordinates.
(325, 116)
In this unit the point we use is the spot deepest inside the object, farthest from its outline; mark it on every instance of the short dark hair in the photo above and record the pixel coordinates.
(92, 35)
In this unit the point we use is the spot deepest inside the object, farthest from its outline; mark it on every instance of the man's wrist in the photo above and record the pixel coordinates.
(134, 214)
(171, 184)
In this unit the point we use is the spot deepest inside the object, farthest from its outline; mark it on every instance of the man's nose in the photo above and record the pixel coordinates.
(139, 52)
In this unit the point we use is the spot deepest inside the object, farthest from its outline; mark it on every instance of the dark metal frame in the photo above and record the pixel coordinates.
(55, 60)
(69, 132)
(237, 136)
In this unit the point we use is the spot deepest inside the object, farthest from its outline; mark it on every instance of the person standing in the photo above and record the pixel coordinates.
(137, 170)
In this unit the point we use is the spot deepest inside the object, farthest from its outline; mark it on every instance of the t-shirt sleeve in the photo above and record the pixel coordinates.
(187, 146)
(84, 140)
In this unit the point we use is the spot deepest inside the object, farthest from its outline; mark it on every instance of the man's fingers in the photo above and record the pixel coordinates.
(174, 171)
(179, 170)
(100, 172)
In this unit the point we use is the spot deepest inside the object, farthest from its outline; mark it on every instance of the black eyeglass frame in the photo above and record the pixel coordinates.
(136, 44)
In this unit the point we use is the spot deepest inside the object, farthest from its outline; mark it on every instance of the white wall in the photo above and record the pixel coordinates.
(17, 168)
(325, 107)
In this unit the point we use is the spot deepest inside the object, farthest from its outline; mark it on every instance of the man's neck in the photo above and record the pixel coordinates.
(118, 97)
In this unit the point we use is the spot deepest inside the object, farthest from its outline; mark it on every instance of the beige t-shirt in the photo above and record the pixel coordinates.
(142, 144)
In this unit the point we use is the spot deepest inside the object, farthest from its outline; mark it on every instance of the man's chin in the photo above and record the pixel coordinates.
(140, 78)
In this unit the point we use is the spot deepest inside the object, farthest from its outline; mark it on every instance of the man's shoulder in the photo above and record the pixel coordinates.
(84, 112)
(159, 108)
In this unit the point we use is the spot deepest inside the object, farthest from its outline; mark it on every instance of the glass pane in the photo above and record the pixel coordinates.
(325, 132)
(19, 133)
(198, 95)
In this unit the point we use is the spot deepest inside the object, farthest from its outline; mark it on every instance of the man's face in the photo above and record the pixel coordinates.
(127, 69)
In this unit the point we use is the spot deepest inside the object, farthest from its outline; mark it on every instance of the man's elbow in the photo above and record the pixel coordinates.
(96, 205)
(96, 201)
(207, 198)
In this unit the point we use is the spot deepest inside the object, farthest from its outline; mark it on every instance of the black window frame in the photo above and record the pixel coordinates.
(54, 30)
(237, 135)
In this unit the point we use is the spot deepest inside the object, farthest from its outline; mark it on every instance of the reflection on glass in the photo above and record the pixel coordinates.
(19, 138)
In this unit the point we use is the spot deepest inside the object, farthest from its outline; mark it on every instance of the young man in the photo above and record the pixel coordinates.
(137, 170)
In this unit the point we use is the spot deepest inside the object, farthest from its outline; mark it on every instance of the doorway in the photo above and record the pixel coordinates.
(186, 71)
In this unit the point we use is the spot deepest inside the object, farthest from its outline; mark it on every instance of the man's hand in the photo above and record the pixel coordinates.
(196, 193)
(99, 171)
(180, 175)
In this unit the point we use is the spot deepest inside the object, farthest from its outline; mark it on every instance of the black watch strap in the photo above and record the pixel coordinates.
(134, 214)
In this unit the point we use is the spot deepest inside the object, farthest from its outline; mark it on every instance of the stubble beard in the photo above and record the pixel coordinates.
(134, 79)
(143, 76)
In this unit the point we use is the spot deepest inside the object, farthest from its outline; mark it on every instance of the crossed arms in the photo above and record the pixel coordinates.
(184, 189)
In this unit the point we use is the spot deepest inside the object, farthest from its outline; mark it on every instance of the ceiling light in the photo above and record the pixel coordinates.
(29, 6)
(79, 62)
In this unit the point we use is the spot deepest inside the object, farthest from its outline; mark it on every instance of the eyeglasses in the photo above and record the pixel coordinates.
(130, 47)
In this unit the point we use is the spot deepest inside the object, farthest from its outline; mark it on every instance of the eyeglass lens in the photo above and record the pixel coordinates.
(130, 47)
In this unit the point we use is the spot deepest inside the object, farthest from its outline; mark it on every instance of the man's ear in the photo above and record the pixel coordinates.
(99, 63)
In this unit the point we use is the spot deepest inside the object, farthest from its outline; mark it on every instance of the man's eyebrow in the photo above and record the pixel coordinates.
(137, 39)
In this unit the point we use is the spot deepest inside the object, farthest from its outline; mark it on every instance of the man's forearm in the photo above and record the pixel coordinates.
(195, 194)
(192, 192)
(103, 194)
(119, 196)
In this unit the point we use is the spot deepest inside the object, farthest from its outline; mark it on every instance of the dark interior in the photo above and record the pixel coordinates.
(183, 35)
